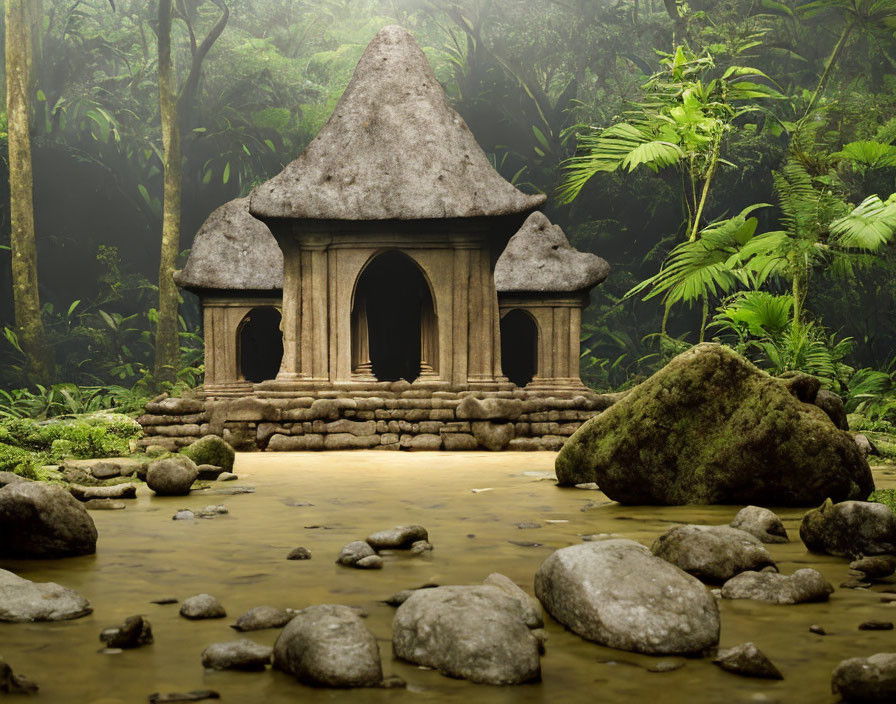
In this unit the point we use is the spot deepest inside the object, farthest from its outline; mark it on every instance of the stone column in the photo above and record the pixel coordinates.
(291, 366)
(361, 364)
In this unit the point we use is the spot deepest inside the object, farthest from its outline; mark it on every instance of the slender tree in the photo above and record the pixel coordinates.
(176, 109)
(20, 16)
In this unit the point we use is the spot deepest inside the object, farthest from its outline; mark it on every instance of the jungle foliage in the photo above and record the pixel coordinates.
(733, 160)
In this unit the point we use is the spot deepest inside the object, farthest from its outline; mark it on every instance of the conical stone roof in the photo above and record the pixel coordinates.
(392, 149)
(539, 259)
(233, 251)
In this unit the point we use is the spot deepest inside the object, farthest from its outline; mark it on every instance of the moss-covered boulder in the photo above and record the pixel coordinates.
(711, 428)
(211, 450)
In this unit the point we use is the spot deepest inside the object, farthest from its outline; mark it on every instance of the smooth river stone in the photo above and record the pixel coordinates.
(616, 593)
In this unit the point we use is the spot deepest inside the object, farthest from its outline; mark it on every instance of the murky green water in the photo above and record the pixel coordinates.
(240, 558)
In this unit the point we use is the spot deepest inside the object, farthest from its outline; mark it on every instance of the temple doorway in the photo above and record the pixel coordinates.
(519, 347)
(260, 344)
(394, 330)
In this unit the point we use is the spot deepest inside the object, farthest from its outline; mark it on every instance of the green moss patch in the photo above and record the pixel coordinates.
(887, 497)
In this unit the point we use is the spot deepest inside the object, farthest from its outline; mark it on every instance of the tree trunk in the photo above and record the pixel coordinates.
(167, 347)
(829, 68)
(26, 300)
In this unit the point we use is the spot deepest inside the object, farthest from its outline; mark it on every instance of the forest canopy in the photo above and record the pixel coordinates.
(732, 160)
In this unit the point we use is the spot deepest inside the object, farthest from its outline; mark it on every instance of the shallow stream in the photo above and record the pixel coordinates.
(240, 558)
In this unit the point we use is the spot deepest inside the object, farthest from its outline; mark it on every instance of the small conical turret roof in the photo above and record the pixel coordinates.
(233, 251)
(539, 259)
(393, 149)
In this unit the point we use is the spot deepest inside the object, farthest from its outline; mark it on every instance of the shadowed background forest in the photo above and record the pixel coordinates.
(534, 81)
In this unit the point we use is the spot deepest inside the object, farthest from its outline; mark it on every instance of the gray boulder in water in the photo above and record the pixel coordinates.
(476, 633)
(713, 553)
(616, 593)
(43, 520)
(850, 529)
(23, 600)
(711, 428)
(328, 645)
(171, 477)
(870, 680)
(241, 654)
(262, 617)
(399, 537)
(760, 523)
(805, 585)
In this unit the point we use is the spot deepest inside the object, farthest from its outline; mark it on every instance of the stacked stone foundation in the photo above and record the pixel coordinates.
(412, 419)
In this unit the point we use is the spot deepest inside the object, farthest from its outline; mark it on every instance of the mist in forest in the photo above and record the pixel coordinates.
(530, 78)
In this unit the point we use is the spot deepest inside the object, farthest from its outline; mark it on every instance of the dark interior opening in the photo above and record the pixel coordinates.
(519, 347)
(395, 293)
(261, 344)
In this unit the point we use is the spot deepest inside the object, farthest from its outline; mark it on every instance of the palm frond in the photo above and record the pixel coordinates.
(869, 226)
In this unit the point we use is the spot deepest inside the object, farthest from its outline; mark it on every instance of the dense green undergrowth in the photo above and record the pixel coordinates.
(26, 445)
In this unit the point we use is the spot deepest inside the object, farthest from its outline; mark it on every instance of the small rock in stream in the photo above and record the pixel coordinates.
(875, 567)
(22, 600)
(299, 553)
(397, 538)
(262, 617)
(713, 553)
(850, 529)
(212, 511)
(526, 525)
(103, 505)
(854, 584)
(352, 553)
(525, 543)
(184, 514)
(876, 626)
(116, 491)
(870, 680)
(588, 486)
(804, 585)
(164, 600)
(666, 666)
(328, 645)
(172, 476)
(11, 683)
(371, 562)
(202, 606)
(817, 630)
(760, 523)
(134, 632)
(747, 660)
(421, 546)
(227, 477)
(196, 695)
(241, 654)
(209, 472)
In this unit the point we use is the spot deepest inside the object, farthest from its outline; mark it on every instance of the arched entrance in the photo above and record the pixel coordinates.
(519, 347)
(394, 330)
(260, 341)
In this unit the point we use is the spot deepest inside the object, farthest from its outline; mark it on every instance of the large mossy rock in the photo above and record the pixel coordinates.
(711, 428)
(211, 450)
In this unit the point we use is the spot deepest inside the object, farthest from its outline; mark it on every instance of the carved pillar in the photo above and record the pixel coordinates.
(429, 342)
(483, 313)
(361, 364)
(291, 366)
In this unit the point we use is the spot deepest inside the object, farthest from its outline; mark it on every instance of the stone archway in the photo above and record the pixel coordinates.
(394, 322)
(260, 344)
(519, 346)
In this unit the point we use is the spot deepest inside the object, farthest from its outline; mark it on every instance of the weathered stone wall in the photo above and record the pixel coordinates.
(381, 420)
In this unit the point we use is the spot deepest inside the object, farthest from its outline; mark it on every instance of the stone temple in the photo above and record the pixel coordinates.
(388, 289)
